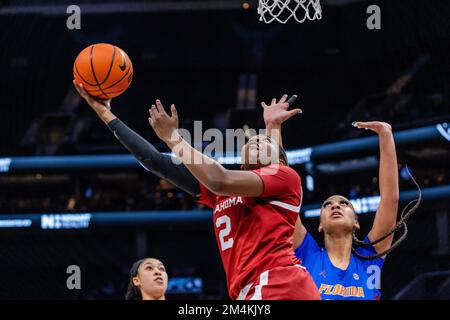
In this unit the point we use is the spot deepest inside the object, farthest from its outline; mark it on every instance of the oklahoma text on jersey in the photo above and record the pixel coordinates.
(228, 203)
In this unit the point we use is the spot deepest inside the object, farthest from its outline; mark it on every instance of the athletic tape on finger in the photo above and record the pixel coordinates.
(292, 99)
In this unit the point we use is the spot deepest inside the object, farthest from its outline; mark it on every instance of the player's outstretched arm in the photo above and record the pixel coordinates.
(208, 171)
(275, 115)
(299, 233)
(150, 158)
(386, 216)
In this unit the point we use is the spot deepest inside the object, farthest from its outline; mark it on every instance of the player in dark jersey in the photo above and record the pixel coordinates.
(337, 272)
(255, 209)
(148, 280)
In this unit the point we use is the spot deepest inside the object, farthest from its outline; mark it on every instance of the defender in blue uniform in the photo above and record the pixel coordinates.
(338, 272)
(359, 281)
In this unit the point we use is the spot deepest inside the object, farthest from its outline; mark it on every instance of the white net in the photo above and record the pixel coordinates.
(283, 10)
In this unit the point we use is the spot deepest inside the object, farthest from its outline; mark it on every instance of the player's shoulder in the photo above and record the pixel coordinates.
(280, 172)
(277, 169)
(288, 171)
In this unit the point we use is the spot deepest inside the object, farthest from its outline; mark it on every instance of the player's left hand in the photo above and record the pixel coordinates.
(376, 126)
(277, 112)
(164, 125)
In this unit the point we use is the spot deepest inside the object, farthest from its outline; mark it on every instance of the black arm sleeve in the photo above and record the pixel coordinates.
(153, 160)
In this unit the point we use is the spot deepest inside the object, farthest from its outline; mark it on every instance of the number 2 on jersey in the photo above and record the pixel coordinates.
(224, 232)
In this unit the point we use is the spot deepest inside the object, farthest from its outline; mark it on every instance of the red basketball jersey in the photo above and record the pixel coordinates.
(255, 234)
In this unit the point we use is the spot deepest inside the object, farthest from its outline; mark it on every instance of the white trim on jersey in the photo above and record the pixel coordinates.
(244, 292)
(286, 206)
(301, 195)
(300, 266)
(263, 280)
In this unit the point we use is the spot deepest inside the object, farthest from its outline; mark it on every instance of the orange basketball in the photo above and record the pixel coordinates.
(104, 70)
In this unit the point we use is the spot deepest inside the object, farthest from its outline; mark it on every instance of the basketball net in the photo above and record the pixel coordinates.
(283, 10)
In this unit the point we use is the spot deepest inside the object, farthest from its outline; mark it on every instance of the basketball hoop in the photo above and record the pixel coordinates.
(283, 10)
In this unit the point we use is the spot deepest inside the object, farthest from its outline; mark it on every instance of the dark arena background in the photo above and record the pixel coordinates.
(71, 194)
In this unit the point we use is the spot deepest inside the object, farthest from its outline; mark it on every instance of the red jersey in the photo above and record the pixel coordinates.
(255, 234)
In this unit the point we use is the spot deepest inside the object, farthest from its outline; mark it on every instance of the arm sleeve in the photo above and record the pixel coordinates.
(154, 161)
(306, 251)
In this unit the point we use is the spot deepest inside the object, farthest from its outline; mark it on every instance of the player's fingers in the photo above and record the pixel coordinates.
(94, 102)
(150, 120)
(160, 107)
(154, 112)
(292, 113)
(174, 112)
(263, 104)
(362, 125)
(150, 114)
(81, 93)
(283, 98)
(292, 99)
(81, 90)
(107, 103)
(75, 84)
(273, 101)
(295, 111)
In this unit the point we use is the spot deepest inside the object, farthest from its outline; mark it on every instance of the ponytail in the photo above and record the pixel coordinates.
(133, 292)
(401, 224)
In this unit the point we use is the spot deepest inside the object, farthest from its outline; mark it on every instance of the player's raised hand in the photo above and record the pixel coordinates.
(99, 106)
(277, 112)
(376, 126)
(164, 125)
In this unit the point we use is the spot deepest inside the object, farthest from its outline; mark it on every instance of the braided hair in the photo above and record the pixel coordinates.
(401, 224)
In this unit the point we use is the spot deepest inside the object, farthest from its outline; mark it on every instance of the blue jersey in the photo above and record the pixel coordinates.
(360, 281)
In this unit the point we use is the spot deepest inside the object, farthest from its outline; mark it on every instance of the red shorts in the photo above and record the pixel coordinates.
(282, 283)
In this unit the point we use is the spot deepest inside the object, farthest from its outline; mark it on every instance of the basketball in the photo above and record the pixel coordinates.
(104, 70)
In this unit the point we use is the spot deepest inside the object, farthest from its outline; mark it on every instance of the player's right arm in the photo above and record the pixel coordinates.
(299, 233)
(151, 159)
(206, 170)
(274, 115)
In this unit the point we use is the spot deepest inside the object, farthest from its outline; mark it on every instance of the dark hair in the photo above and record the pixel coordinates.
(401, 224)
(282, 153)
(133, 292)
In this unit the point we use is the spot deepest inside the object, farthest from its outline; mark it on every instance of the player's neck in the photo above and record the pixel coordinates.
(150, 297)
(339, 249)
